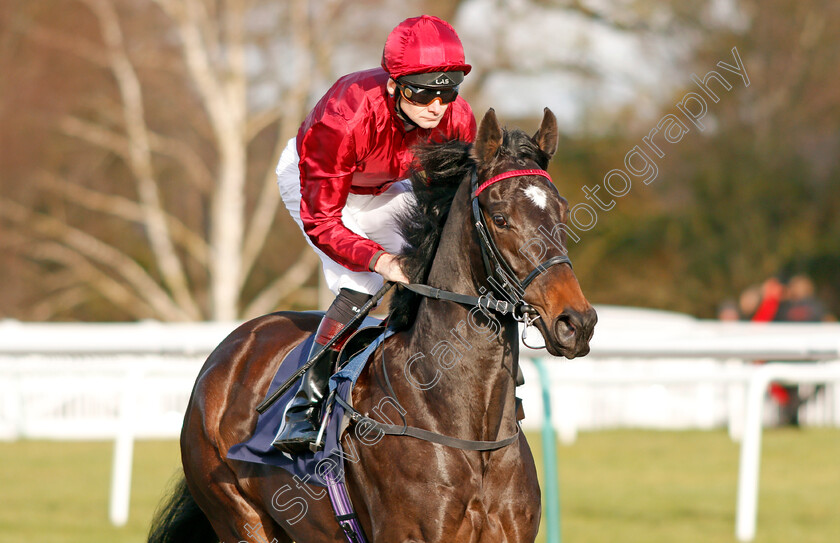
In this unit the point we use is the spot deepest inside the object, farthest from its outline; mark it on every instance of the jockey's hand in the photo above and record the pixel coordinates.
(388, 266)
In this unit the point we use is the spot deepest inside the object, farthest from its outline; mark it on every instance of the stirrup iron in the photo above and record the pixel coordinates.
(318, 444)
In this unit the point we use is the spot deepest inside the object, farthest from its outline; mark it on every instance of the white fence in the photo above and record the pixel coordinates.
(79, 397)
(663, 394)
(647, 369)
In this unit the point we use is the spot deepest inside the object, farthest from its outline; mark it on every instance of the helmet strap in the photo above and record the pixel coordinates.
(405, 118)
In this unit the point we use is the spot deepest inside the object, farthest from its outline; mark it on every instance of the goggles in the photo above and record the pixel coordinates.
(422, 96)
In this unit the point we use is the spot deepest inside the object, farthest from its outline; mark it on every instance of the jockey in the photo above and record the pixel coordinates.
(343, 180)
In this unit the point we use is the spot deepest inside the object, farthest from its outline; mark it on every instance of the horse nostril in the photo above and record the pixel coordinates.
(565, 326)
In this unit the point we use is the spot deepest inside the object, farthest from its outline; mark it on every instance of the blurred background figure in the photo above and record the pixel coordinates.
(748, 302)
(772, 292)
(778, 301)
(728, 311)
(801, 304)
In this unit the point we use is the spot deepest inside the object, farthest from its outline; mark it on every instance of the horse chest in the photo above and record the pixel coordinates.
(453, 496)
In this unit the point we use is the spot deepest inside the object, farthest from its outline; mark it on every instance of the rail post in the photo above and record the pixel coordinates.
(120, 498)
(551, 506)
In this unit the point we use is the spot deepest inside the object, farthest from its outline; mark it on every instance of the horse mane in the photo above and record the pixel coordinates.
(443, 167)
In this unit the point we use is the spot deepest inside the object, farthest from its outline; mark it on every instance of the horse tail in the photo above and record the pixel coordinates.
(180, 520)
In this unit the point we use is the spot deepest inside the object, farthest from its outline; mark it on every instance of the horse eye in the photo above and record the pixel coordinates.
(499, 220)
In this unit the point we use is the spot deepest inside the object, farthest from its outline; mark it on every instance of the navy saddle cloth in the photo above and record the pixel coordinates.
(308, 466)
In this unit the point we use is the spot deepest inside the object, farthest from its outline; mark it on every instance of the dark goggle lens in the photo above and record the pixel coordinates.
(424, 97)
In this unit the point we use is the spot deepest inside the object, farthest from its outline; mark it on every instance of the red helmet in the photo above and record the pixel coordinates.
(422, 45)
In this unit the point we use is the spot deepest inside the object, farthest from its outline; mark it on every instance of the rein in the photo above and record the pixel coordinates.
(426, 435)
(507, 285)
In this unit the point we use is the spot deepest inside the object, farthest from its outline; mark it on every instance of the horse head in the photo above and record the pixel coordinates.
(525, 218)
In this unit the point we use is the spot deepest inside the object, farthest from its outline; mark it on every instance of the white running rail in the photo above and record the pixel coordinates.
(129, 381)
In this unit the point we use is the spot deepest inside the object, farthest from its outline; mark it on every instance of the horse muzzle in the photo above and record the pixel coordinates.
(569, 334)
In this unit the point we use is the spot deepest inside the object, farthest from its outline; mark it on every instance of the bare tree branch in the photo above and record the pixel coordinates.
(293, 103)
(195, 167)
(223, 97)
(140, 155)
(91, 276)
(295, 276)
(116, 142)
(263, 120)
(77, 279)
(87, 50)
(56, 303)
(124, 208)
(628, 24)
(96, 134)
(94, 250)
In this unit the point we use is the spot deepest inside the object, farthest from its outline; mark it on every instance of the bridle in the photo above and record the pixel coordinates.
(507, 292)
(500, 275)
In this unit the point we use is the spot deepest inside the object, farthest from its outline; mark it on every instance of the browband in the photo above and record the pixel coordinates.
(506, 175)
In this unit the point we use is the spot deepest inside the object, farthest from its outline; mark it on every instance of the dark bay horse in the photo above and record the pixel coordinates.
(450, 369)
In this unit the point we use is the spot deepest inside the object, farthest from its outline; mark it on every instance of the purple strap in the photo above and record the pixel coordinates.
(344, 513)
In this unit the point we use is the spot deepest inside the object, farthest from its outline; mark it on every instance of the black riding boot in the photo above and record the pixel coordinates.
(303, 415)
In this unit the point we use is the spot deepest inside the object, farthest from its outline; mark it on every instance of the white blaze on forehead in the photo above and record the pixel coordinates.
(537, 195)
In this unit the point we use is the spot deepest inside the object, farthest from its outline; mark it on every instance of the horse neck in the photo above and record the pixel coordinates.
(473, 356)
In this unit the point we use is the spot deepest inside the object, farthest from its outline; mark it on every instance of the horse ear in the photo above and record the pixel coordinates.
(546, 136)
(489, 137)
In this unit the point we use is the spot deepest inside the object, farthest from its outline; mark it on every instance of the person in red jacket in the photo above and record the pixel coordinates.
(343, 180)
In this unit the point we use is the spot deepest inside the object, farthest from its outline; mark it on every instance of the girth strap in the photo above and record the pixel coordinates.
(426, 435)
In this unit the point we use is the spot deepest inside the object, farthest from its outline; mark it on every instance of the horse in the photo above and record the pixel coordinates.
(449, 368)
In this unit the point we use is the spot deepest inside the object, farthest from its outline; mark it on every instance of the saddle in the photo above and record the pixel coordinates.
(360, 339)
(258, 449)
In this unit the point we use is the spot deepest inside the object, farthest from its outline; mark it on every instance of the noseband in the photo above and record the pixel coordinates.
(499, 273)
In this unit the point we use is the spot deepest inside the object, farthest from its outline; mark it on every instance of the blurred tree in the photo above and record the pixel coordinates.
(764, 188)
(159, 123)
(755, 195)
(143, 186)
(140, 136)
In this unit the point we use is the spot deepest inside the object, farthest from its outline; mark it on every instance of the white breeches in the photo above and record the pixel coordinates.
(370, 216)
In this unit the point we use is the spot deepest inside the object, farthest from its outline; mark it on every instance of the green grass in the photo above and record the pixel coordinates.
(680, 487)
(616, 487)
(57, 492)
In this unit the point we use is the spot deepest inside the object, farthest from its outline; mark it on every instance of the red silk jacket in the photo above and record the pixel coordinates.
(353, 142)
